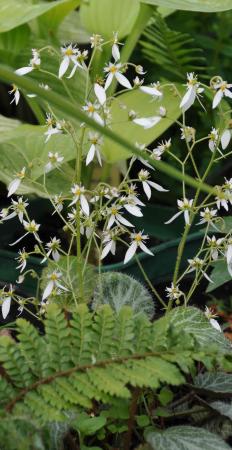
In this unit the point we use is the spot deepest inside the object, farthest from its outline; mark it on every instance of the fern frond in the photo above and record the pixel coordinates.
(172, 50)
(100, 357)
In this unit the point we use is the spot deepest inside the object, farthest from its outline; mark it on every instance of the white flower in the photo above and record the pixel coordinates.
(96, 41)
(53, 283)
(6, 301)
(14, 185)
(214, 245)
(19, 207)
(91, 110)
(109, 242)
(34, 64)
(53, 248)
(115, 48)
(153, 90)
(144, 176)
(193, 90)
(147, 122)
(69, 54)
(197, 265)
(130, 204)
(58, 201)
(137, 242)
(57, 129)
(210, 316)
(79, 195)
(223, 90)
(115, 71)
(22, 259)
(96, 142)
(100, 93)
(29, 227)
(116, 217)
(213, 139)
(140, 70)
(79, 62)
(54, 160)
(185, 206)
(173, 292)
(225, 138)
(137, 82)
(207, 216)
(188, 133)
(16, 94)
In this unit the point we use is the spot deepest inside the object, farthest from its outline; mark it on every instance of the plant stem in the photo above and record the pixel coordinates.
(153, 289)
(131, 420)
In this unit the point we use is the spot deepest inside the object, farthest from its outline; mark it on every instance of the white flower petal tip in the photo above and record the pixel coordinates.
(100, 93)
(6, 307)
(147, 122)
(215, 325)
(23, 71)
(225, 139)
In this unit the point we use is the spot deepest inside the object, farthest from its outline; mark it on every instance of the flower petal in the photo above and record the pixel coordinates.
(84, 205)
(130, 252)
(90, 154)
(48, 290)
(109, 80)
(24, 70)
(13, 186)
(157, 186)
(173, 218)
(123, 221)
(215, 324)
(188, 99)
(6, 307)
(64, 66)
(225, 138)
(106, 250)
(115, 52)
(147, 189)
(151, 91)
(147, 122)
(145, 249)
(100, 93)
(217, 98)
(133, 209)
(123, 80)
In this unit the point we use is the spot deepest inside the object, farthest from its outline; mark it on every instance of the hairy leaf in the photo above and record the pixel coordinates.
(193, 5)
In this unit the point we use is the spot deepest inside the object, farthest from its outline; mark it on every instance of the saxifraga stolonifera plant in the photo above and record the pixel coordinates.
(100, 217)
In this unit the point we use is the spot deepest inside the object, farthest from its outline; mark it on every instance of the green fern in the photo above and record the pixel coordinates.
(117, 290)
(171, 49)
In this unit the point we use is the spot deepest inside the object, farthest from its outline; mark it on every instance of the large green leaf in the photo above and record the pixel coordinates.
(215, 381)
(193, 5)
(185, 438)
(71, 29)
(16, 12)
(107, 16)
(142, 105)
(24, 145)
(225, 409)
(192, 321)
(52, 18)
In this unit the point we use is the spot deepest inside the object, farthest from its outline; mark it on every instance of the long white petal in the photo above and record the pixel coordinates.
(106, 250)
(109, 80)
(207, 276)
(217, 98)
(13, 186)
(173, 218)
(84, 205)
(147, 189)
(64, 66)
(6, 307)
(229, 254)
(123, 221)
(73, 71)
(48, 290)
(147, 122)
(115, 52)
(145, 249)
(123, 80)
(188, 99)
(225, 139)
(98, 119)
(111, 222)
(186, 217)
(130, 252)
(24, 70)
(98, 156)
(90, 154)
(133, 209)
(100, 93)
(228, 93)
(215, 324)
(157, 186)
(151, 91)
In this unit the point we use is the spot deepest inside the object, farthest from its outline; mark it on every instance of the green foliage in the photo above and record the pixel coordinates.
(107, 16)
(215, 382)
(219, 276)
(118, 290)
(24, 12)
(193, 5)
(172, 50)
(186, 438)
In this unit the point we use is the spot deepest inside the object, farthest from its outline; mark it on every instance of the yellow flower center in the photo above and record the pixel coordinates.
(69, 52)
(54, 277)
(91, 109)
(113, 69)
(138, 238)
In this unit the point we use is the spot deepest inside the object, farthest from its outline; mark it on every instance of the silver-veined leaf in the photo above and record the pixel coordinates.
(214, 381)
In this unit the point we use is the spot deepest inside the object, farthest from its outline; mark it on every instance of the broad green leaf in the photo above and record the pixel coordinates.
(193, 5)
(107, 16)
(219, 276)
(16, 12)
(185, 438)
(88, 425)
(225, 409)
(71, 29)
(193, 321)
(214, 381)
(24, 145)
(51, 19)
(144, 107)
(224, 226)
(13, 41)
